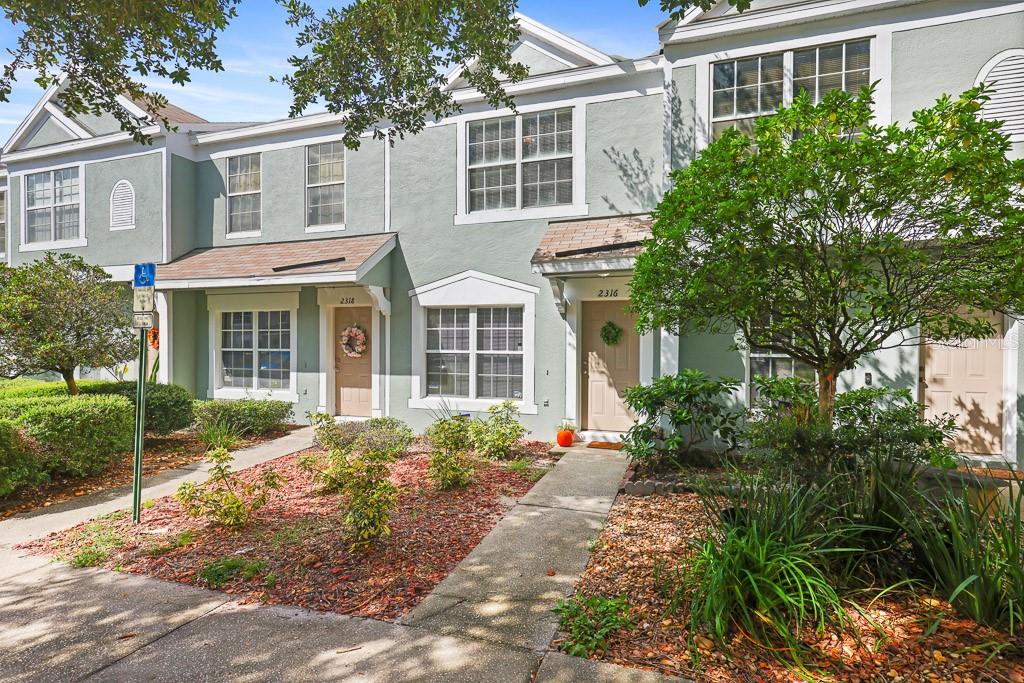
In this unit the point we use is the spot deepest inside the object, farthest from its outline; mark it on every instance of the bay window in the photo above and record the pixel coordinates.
(52, 206)
(475, 352)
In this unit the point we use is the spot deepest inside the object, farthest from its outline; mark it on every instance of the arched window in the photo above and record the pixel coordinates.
(1005, 73)
(122, 206)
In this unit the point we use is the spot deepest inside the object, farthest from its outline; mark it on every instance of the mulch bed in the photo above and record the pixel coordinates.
(166, 452)
(301, 549)
(642, 532)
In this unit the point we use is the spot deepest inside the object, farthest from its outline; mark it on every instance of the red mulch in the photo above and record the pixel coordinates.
(642, 531)
(160, 453)
(299, 538)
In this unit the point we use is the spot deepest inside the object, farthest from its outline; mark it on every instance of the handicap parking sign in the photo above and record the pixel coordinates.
(145, 275)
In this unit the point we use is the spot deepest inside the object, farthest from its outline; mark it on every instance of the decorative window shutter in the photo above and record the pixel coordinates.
(122, 206)
(1005, 73)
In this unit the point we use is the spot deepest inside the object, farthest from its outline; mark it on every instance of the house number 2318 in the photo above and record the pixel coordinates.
(607, 293)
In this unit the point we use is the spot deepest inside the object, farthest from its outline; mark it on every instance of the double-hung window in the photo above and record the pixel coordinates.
(744, 89)
(3, 222)
(775, 364)
(325, 184)
(52, 206)
(475, 352)
(523, 161)
(255, 350)
(244, 196)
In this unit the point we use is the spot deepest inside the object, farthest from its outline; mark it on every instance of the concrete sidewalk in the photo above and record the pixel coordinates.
(29, 525)
(489, 621)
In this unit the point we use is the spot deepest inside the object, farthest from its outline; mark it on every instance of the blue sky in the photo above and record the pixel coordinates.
(258, 43)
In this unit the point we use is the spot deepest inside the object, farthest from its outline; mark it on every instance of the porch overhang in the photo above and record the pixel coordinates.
(591, 245)
(308, 262)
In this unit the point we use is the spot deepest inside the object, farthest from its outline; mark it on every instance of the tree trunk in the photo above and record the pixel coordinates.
(69, 379)
(826, 392)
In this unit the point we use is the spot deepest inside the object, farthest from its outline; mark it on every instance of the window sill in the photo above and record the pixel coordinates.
(235, 393)
(243, 235)
(50, 246)
(502, 215)
(473, 405)
(333, 227)
(123, 227)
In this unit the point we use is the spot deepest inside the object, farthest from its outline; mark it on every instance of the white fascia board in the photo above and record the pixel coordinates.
(753, 20)
(77, 145)
(250, 131)
(590, 266)
(689, 17)
(364, 269)
(476, 275)
(218, 283)
(559, 39)
(69, 124)
(28, 123)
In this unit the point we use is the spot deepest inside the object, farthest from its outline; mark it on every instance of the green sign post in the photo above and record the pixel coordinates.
(143, 321)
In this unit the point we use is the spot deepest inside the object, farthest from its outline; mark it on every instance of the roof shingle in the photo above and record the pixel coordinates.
(596, 238)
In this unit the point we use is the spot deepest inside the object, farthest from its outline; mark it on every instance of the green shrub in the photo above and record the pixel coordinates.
(77, 435)
(222, 499)
(219, 434)
(496, 437)
(449, 469)
(168, 406)
(219, 572)
(369, 495)
(18, 467)
(588, 621)
(37, 388)
(695, 407)
(383, 438)
(387, 435)
(332, 435)
(249, 417)
(450, 434)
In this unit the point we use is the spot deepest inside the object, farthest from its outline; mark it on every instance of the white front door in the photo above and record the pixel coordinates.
(608, 370)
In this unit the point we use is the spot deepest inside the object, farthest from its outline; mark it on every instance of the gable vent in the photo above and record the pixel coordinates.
(1005, 72)
(122, 206)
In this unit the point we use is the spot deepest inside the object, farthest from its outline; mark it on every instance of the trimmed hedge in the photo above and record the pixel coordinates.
(26, 388)
(77, 435)
(17, 465)
(168, 406)
(246, 416)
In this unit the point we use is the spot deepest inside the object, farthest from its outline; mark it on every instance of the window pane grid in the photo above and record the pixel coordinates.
(325, 184)
(497, 354)
(820, 70)
(52, 201)
(255, 350)
(236, 350)
(244, 193)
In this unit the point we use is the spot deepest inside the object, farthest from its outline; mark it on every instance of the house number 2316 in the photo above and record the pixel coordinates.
(607, 293)
(347, 300)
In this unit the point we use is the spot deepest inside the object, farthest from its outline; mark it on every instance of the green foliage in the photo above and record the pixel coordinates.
(18, 467)
(887, 229)
(696, 408)
(496, 437)
(97, 541)
(587, 621)
(28, 388)
(58, 313)
(332, 435)
(449, 469)
(185, 538)
(450, 434)
(248, 417)
(168, 406)
(973, 549)
(218, 434)
(386, 435)
(76, 435)
(219, 572)
(224, 500)
(519, 465)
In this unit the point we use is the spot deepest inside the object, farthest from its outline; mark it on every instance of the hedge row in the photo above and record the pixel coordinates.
(246, 417)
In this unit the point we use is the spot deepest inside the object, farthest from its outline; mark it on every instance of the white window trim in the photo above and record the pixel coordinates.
(329, 227)
(130, 226)
(6, 217)
(578, 207)
(471, 289)
(271, 301)
(50, 245)
(228, 195)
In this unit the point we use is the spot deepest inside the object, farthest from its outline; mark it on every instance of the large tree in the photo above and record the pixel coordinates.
(828, 238)
(380, 62)
(59, 313)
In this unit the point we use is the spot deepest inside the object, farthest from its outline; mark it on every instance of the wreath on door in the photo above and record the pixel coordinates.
(611, 334)
(353, 341)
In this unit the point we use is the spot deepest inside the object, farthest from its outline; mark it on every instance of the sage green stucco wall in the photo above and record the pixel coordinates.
(104, 124)
(185, 315)
(47, 133)
(624, 155)
(308, 349)
(283, 178)
(183, 206)
(683, 122)
(105, 247)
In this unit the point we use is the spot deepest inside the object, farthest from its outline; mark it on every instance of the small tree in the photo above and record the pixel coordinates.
(59, 313)
(828, 238)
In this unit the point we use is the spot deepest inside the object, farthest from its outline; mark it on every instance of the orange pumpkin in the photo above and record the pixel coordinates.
(566, 437)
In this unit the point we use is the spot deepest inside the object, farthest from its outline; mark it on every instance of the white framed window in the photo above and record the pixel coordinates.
(255, 351)
(244, 195)
(3, 222)
(528, 165)
(473, 343)
(122, 206)
(53, 206)
(742, 90)
(475, 352)
(325, 186)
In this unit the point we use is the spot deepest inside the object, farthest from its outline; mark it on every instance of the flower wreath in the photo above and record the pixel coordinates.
(611, 334)
(353, 341)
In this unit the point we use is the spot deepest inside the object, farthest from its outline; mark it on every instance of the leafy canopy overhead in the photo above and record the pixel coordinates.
(827, 238)
(381, 62)
(59, 313)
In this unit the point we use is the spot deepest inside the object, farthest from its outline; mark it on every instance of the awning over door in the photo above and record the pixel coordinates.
(591, 245)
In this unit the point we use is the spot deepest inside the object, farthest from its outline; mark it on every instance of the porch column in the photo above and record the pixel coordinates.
(164, 308)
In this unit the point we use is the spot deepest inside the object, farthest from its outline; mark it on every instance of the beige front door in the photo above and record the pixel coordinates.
(353, 377)
(967, 381)
(608, 370)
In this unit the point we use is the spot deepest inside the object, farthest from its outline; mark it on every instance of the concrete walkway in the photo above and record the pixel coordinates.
(490, 620)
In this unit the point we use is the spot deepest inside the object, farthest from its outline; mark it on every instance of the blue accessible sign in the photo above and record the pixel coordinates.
(145, 275)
